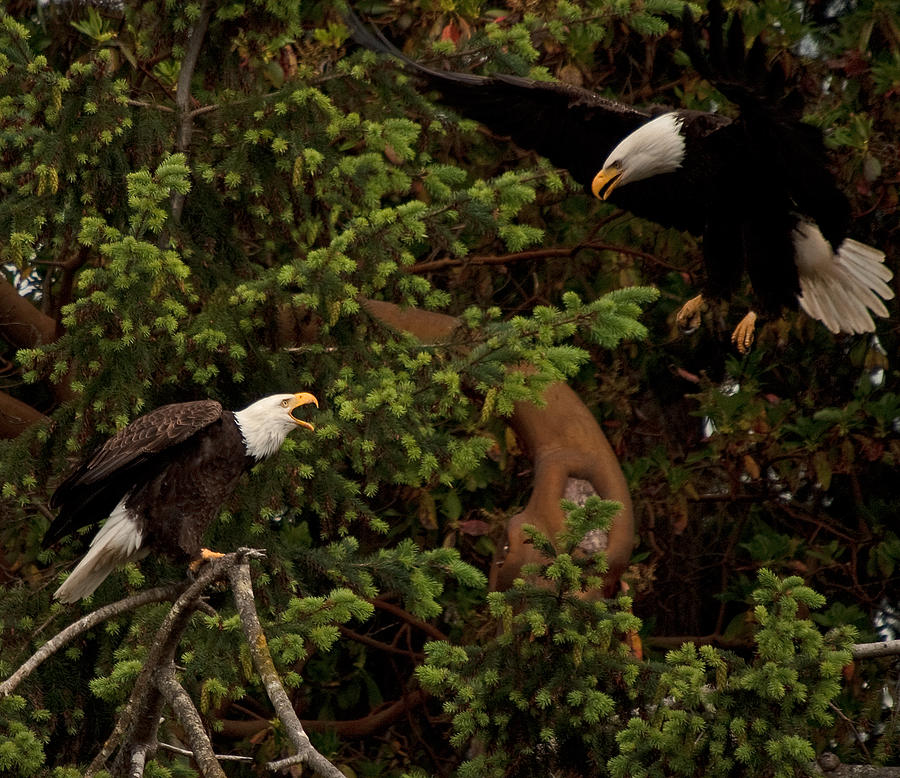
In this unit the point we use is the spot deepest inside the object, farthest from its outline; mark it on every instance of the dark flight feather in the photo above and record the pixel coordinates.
(746, 185)
(144, 447)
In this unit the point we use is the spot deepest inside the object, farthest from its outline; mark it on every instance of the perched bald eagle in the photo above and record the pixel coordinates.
(757, 188)
(161, 480)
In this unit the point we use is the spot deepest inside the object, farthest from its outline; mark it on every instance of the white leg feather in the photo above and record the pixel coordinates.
(841, 289)
(118, 541)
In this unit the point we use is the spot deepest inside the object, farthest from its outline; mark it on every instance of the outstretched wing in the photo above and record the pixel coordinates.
(572, 127)
(575, 129)
(97, 484)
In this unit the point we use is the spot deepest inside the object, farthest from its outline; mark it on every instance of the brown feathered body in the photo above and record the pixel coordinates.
(161, 480)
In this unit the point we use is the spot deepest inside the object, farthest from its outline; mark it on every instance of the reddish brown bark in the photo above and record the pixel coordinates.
(564, 441)
(378, 720)
(16, 416)
(21, 323)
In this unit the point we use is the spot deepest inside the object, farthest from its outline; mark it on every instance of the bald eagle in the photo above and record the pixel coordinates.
(161, 480)
(756, 188)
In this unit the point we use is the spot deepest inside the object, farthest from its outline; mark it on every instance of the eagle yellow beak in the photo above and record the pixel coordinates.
(301, 398)
(605, 181)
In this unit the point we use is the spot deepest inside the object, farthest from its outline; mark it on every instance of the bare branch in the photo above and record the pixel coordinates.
(187, 715)
(220, 757)
(875, 650)
(85, 623)
(138, 760)
(262, 661)
(140, 715)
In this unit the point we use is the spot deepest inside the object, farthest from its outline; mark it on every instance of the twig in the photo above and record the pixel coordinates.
(550, 253)
(396, 610)
(187, 715)
(262, 661)
(154, 106)
(377, 720)
(386, 647)
(83, 625)
(220, 757)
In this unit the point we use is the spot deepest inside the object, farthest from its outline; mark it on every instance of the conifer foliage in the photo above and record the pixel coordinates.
(220, 200)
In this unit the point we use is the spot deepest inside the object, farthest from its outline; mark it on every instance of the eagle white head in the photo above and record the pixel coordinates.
(266, 423)
(654, 148)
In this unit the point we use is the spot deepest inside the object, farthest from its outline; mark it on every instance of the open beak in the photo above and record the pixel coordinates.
(605, 181)
(302, 398)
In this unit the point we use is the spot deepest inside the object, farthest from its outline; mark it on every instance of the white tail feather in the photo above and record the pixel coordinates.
(118, 541)
(841, 289)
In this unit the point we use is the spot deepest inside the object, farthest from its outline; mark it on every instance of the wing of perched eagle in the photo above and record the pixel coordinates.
(134, 453)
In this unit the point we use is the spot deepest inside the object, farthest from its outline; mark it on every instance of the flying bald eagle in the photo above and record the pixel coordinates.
(161, 480)
(756, 188)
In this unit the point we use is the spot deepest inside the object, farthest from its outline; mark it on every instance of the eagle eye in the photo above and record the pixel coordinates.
(284, 403)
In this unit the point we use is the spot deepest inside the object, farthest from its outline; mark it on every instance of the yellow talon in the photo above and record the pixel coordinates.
(743, 334)
(205, 556)
(688, 318)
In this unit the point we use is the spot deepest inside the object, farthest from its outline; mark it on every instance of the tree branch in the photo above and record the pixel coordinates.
(16, 416)
(534, 254)
(242, 588)
(187, 714)
(140, 715)
(21, 323)
(875, 650)
(183, 97)
(83, 625)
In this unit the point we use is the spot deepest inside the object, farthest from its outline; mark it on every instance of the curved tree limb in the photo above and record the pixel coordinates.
(564, 441)
(21, 323)
(16, 416)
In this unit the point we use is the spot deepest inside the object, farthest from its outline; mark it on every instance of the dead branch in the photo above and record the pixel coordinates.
(181, 704)
(220, 757)
(134, 736)
(139, 720)
(875, 650)
(242, 588)
(90, 621)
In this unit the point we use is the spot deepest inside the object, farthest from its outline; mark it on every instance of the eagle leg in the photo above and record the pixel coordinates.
(743, 334)
(688, 318)
(205, 556)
